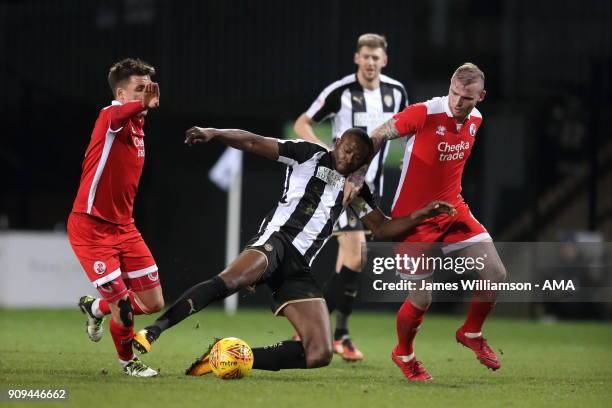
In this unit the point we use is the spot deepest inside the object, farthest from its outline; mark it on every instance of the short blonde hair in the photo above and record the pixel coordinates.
(469, 73)
(372, 40)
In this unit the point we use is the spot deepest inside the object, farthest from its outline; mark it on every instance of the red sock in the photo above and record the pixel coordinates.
(476, 316)
(103, 305)
(122, 337)
(409, 318)
(135, 306)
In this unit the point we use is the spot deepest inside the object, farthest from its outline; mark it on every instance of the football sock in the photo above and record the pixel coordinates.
(122, 337)
(329, 291)
(409, 320)
(476, 316)
(279, 356)
(100, 308)
(346, 292)
(341, 325)
(192, 301)
(135, 305)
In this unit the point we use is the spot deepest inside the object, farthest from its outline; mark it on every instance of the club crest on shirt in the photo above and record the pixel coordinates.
(331, 177)
(473, 129)
(388, 100)
(441, 130)
(99, 267)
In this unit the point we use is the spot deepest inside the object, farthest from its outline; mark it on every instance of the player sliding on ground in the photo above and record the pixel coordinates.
(363, 99)
(288, 240)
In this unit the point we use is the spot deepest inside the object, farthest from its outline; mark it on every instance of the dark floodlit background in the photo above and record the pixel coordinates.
(541, 169)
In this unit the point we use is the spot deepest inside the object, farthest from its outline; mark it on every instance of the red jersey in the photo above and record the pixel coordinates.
(113, 164)
(436, 152)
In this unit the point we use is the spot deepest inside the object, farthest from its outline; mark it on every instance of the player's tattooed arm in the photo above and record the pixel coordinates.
(384, 132)
(236, 138)
(355, 180)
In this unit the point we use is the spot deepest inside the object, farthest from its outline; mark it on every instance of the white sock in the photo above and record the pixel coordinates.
(124, 363)
(406, 359)
(473, 335)
(95, 309)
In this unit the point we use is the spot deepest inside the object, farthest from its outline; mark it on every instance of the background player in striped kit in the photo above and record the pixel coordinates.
(288, 240)
(365, 100)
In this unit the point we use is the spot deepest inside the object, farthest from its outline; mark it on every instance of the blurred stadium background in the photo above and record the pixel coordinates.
(541, 171)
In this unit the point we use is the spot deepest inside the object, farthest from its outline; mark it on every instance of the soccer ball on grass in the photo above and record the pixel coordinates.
(231, 358)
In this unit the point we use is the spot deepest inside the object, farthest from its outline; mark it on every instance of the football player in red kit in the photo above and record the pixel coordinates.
(101, 229)
(441, 133)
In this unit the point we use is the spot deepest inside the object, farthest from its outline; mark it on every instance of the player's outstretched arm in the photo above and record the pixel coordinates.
(239, 139)
(386, 228)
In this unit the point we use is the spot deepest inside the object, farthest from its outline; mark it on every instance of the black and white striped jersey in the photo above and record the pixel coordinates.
(311, 201)
(348, 105)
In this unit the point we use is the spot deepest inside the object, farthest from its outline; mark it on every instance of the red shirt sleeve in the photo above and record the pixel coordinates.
(121, 114)
(411, 119)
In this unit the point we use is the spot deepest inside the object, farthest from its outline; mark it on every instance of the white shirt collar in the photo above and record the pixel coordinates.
(116, 102)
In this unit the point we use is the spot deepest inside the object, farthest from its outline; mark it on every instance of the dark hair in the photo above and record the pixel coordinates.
(124, 69)
(363, 137)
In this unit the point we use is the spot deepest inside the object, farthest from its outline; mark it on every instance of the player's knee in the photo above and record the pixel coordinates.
(155, 306)
(500, 273)
(495, 273)
(421, 299)
(318, 354)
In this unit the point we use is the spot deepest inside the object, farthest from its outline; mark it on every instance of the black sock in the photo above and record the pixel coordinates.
(279, 356)
(193, 300)
(341, 329)
(346, 292)
(332, 286)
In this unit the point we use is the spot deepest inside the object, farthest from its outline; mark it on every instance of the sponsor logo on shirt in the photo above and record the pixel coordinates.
(331, 177)
(370, 120)
(450, 151)
(139, 143)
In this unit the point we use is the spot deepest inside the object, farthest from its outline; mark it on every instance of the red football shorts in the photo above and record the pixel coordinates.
(439, 236)
(115, 257)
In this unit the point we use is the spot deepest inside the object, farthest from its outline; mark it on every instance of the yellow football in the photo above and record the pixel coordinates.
(231, 358)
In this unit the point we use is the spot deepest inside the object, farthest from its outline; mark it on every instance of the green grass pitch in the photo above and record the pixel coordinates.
(563, 364)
